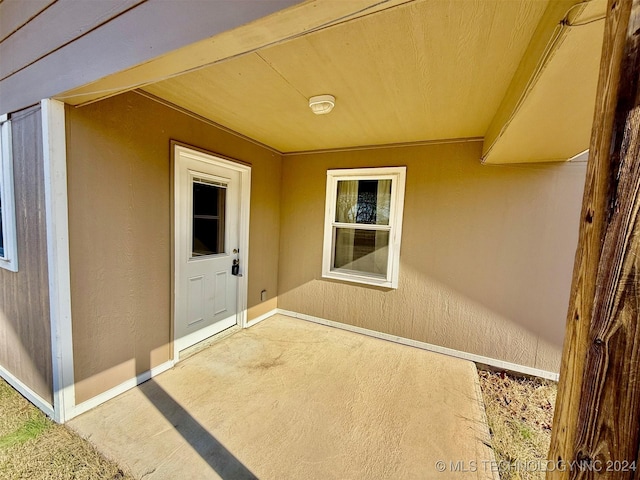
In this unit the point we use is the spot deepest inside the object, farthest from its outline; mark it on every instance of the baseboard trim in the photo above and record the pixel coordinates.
(119, 389)
(143, 377)
(478, 359)
(27, 393)
(262, 317)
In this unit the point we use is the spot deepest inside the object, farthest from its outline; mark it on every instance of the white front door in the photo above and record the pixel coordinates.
(207, 241)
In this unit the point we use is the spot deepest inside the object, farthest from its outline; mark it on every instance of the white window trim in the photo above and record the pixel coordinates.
(9, 260)
(397, 175)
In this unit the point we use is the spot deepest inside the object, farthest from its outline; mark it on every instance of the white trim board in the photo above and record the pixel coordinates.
(26, 392)
(479, 359)
(143, 377)
(260, 318)
(118, 390)
(57, 221)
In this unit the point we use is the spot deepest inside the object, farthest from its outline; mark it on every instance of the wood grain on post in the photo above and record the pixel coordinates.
(597, 422)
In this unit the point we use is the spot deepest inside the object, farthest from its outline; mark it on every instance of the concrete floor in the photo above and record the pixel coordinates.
(288, 399)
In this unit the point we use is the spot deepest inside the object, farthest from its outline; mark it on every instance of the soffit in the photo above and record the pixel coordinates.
(553, 121)
(427, 70)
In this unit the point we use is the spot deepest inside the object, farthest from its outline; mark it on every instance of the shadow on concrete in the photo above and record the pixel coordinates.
(221, 460)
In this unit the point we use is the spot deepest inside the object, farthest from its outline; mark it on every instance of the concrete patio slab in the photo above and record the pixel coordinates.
(289, 399)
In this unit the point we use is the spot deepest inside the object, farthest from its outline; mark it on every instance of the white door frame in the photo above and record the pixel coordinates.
(243, 233)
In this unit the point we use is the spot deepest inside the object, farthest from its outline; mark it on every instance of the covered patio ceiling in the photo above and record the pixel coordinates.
(521, 74)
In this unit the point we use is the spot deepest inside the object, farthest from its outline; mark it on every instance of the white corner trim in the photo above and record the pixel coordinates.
(492, 362)
(57, 221)
(118, 390)
(262, 317)
(26, 392)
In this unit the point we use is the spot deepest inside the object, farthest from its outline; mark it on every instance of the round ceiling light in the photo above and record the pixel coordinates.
(321, 104)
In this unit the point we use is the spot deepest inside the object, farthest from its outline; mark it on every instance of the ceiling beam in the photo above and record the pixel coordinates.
(596, 429)
(547, 39)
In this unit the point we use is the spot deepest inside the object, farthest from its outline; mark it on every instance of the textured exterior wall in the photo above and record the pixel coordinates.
(486, 258)
(25, 329)
(119, 178)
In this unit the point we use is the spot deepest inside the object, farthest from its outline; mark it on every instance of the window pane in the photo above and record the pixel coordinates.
(361, 250)
(363, 201)
(208, 219)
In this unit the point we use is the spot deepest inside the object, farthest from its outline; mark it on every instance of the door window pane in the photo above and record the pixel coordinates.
(208, 219)
(362, 250)
(363, 201)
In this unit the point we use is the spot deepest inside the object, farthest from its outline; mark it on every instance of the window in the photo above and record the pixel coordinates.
(363, 225)
(208, 226)
(8, 246)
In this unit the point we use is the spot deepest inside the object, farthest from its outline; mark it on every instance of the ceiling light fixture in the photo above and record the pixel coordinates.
(321, 104)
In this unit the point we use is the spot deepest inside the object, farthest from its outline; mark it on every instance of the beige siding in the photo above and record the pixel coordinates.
(119, 219)
(61, 23)
(14, 14)
(486, 256)
(25, 331)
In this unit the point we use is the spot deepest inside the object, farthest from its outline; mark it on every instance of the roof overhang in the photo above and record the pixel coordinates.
(521, 74)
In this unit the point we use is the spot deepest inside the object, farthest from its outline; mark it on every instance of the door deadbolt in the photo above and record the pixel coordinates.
(235, 268)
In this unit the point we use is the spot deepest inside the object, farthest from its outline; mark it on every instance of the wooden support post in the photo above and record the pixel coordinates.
(596, 430)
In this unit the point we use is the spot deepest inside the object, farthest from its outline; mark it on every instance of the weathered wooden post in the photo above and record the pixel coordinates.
(597, 420)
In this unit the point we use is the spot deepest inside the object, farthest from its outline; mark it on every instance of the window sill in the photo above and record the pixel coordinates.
(360, 278)
(5, 264)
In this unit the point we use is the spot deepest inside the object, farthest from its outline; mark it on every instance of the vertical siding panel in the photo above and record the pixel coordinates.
(25, 330)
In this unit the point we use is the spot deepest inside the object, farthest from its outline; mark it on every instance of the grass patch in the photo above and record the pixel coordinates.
(14, 409)
(29, 430)
(32, 447)
(520, 415)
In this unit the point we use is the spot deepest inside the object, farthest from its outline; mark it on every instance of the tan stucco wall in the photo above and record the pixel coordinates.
(486, 258)
(120, 233)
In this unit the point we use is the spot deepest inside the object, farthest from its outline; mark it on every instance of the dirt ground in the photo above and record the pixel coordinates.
(520, 415)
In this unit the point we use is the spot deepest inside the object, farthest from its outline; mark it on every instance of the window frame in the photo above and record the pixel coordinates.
(9, 258)
(397, 175)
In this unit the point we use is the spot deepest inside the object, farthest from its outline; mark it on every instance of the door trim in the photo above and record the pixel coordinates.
(179, 149)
